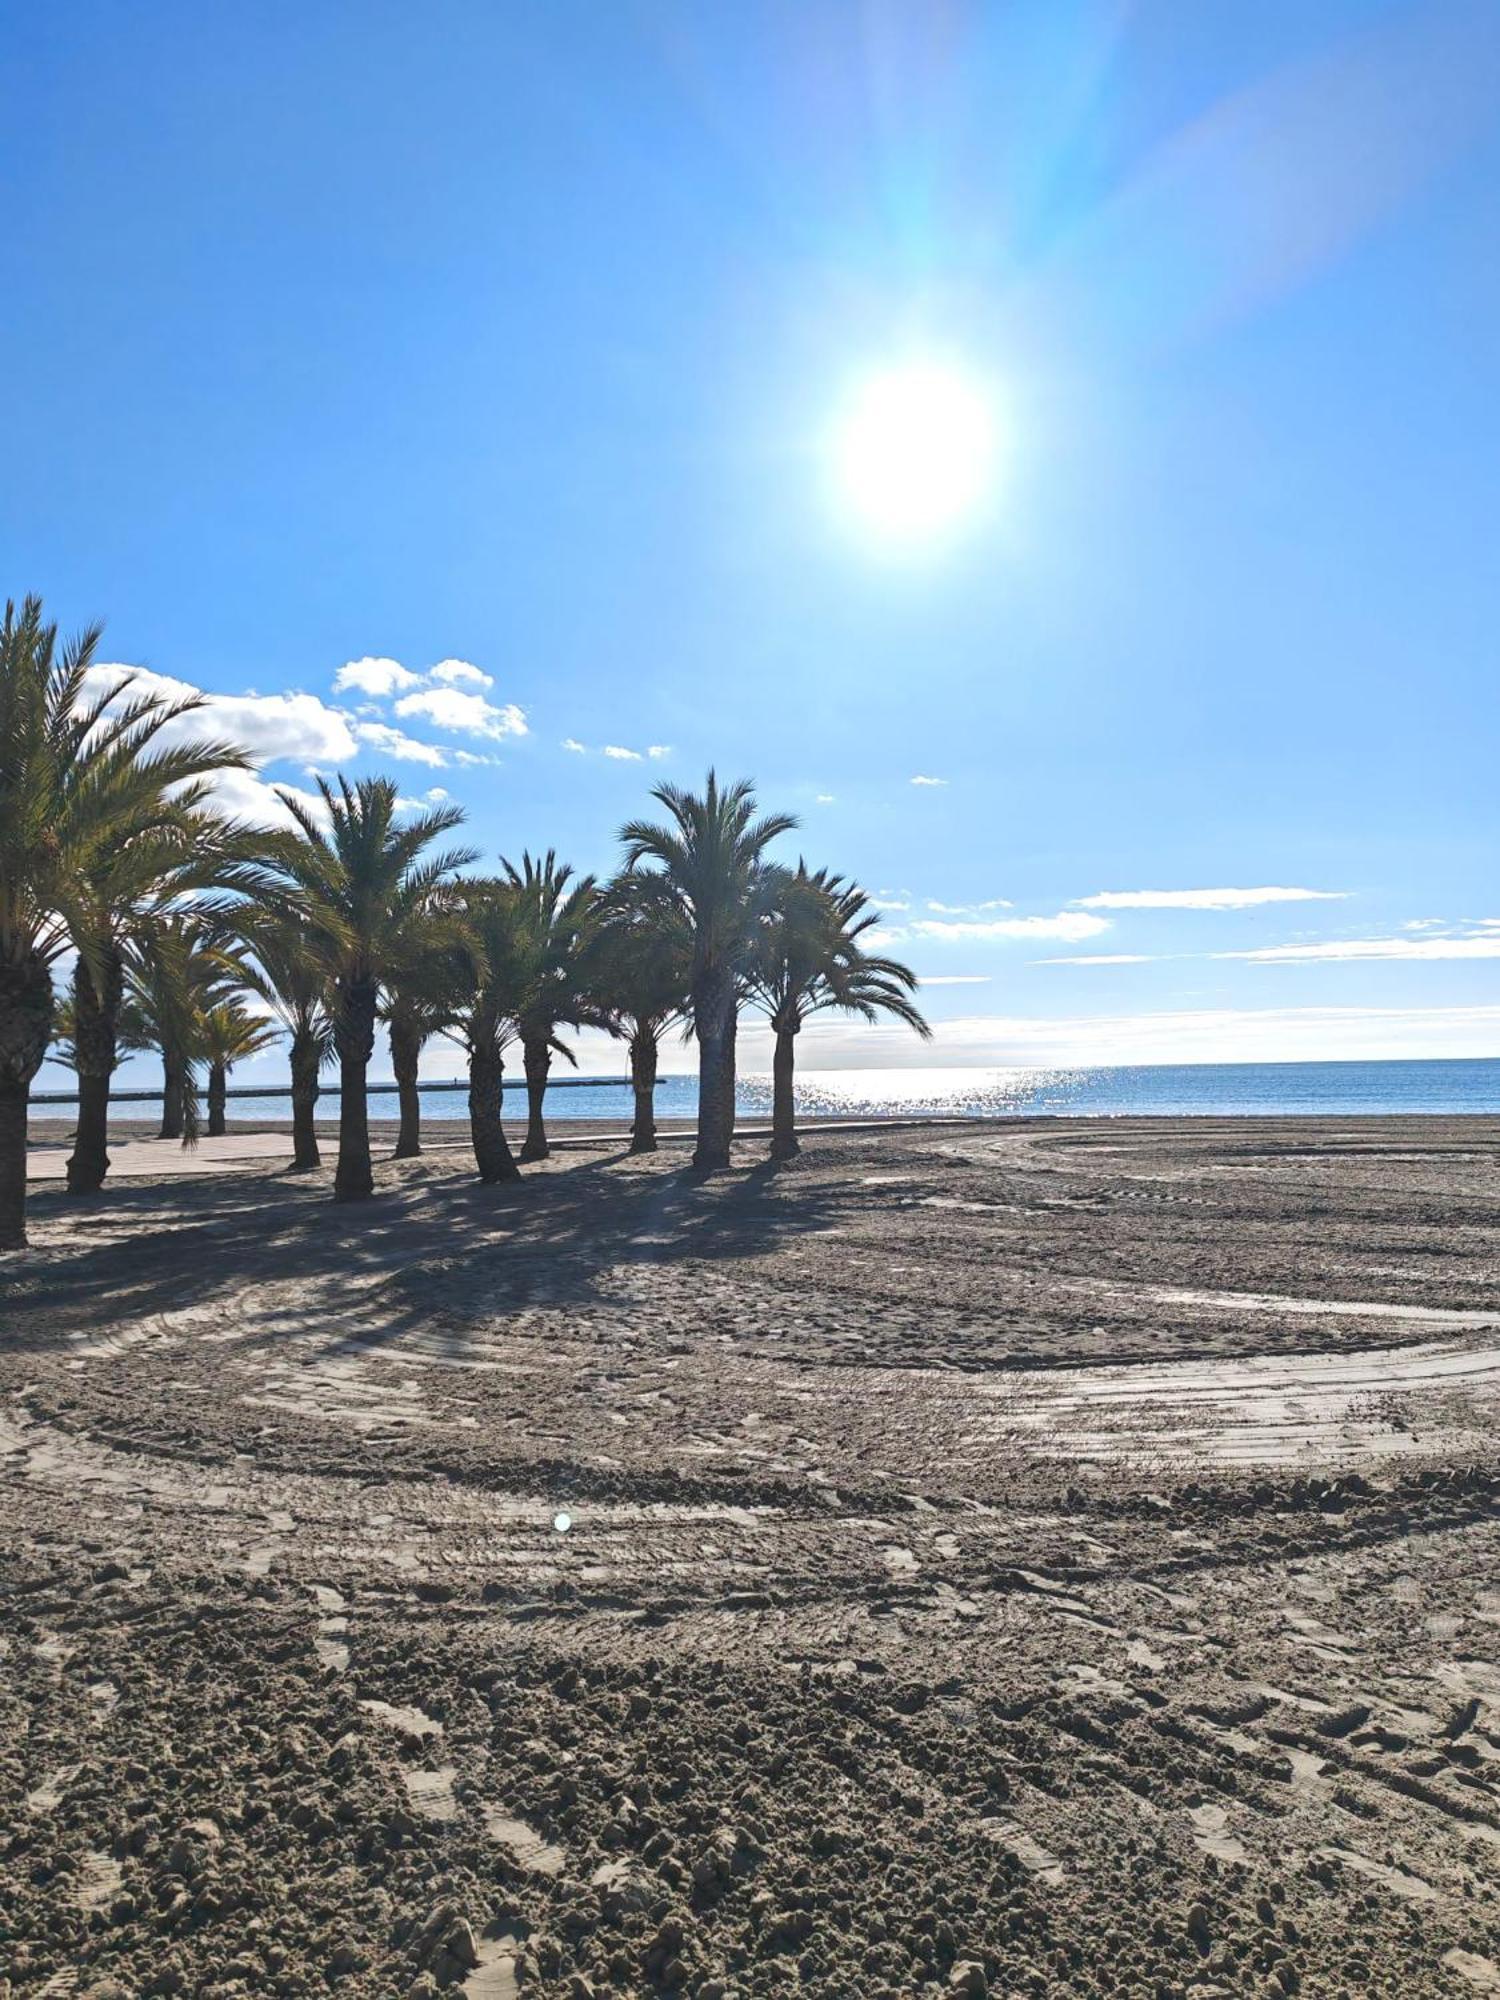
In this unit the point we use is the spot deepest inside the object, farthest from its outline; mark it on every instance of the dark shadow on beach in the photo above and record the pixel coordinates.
(165, 1246)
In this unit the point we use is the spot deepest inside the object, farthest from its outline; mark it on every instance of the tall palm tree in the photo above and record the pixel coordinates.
(231, 1034)
(290, 979)
(811, 957)
(709, 859)
(365, 881)
(640, 975)
(83, 774)
(557, 923)
(490, 966)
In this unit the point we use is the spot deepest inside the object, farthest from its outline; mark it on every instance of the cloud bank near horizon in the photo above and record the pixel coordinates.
(1204, 899)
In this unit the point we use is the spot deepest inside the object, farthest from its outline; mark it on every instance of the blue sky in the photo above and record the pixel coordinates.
(510, 337)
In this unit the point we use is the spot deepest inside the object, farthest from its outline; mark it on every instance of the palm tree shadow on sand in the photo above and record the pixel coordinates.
(426, 1256)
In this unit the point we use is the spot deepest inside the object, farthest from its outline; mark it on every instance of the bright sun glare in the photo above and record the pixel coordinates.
(912, 452)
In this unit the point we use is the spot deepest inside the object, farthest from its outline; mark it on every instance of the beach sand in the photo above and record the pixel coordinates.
(1054, 1558)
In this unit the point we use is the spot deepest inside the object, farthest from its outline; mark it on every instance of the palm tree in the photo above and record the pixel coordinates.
(490, 967)
(557, 924)
(231, 1034)
(709, 862)
(365, 882)
(810, 957)
(93, 1052)
(289, 978)
(178, 966)
(640, 973)
(82, 775)
(418, 1005)
(130, 891)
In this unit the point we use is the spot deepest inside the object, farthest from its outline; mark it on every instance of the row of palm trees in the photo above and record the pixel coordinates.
(186, 925)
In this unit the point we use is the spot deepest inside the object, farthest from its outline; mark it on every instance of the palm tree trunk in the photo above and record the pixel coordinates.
(218, 1089)
(492, 1154)
(25, 1030)
(643, 1084)
(173, 1096)
(354, 1035)
(783, 1107)
(304, 1059)
(95, 1018)
(714, 1021)
(537, 1056)
(406, 1053)
(13, 1105)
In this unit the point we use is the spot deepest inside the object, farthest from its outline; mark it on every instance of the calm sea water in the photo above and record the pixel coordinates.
(1163, 1090)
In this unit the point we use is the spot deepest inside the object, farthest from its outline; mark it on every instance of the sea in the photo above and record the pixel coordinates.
(1163, 1090)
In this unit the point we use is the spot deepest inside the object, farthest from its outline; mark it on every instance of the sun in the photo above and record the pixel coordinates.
(911, 452)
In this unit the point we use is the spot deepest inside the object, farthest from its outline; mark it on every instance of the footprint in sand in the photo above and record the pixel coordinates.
(1399, 1881)
(1482, 1974)
(431, 1792)
(48, 1795)
(100, 1880)
(494, 1978)
(523, 1843)
(1033, 1857)
(1211, 1834)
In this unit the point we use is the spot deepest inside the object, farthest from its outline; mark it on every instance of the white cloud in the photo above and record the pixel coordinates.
(453, 671)
(471, 757)
(955, 979)
(375, 676)
(1070, 926)
(464, 714)
(658, 749)
(271, 728)
(244, 796)
(1204, 899)
(436, 795)
(572, 743)
(919, 780)
(1109, 958)
(395, 743)
(969, 909)
(621, 755)
(824, 799)
(1483, 943)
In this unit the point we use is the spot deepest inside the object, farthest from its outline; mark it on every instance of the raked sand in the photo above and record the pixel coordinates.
(1042, 1559)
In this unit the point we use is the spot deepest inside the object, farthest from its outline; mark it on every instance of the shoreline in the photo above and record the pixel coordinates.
(454, 1131)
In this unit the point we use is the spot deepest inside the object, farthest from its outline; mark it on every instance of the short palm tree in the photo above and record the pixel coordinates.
(83, 775)
(290, 979)
(364, 881)
(810, 958)
(640, 975)
(489, 966)
(231, 1034)
(418, 1004)
(709, 861)
(163, 876)
(556, 925)
(179, 965)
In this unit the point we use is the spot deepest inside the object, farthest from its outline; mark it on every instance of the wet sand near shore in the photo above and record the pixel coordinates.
(1059, 1558)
